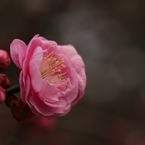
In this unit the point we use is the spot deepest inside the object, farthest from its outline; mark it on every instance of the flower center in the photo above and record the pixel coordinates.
(54, 70)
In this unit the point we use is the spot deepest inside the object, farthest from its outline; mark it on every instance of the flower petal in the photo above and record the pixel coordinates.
(79, 66)
(75, 58)
(35, 76)
(48, 92)
(18, 52)
(71, 93)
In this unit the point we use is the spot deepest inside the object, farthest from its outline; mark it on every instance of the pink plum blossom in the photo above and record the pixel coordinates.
(52, 77)
(4, 60)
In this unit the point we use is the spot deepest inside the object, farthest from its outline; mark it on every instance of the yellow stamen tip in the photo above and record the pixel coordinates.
(62, 60)
(49, 60)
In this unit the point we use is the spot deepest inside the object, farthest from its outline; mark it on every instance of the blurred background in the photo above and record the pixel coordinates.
(110, 37)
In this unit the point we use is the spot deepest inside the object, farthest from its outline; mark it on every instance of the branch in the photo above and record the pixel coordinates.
(12, 90)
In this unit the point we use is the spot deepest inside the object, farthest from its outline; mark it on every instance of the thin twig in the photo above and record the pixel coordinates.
(12, 90)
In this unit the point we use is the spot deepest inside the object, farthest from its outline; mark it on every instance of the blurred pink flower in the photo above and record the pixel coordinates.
(44, 123)
(52, 78)
(2, 95)
(4, 60)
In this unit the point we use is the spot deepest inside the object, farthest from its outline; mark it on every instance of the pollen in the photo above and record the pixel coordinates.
(54, 70)
(63, 65)
(49, 60)
(62, 60)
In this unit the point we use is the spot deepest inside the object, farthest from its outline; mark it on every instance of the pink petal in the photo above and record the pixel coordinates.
(32, 46)
(68, 50)
(48, 92)
(35, 76)
(49, 95)
(18, 51)
(81, 89)
(37, 55)
(71, 93)
(79, 66)
(39, 108)
(75, 58)
(25, 87)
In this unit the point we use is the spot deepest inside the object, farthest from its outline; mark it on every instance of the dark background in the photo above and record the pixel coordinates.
(110, 37)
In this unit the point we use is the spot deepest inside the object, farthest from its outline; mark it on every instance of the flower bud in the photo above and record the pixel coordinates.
(2, 95)
(20, 111)
(4, 60)
(4, 81)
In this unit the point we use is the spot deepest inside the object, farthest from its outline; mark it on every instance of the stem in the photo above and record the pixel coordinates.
(13, 90)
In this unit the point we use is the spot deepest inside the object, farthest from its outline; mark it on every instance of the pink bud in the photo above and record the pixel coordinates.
(20, 111)
(4, 81)
(2, 95)
(4, 60)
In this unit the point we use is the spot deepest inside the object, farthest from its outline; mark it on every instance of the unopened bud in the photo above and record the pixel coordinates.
(2, 95)
(4, 81)
(4, 60)
(20, 111)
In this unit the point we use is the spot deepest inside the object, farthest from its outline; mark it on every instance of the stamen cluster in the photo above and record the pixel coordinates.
(54, 70)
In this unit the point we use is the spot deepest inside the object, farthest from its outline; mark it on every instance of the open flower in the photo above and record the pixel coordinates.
(52, 77)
